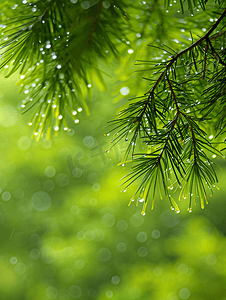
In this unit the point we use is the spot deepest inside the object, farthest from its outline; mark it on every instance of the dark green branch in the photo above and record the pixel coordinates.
(215, 52)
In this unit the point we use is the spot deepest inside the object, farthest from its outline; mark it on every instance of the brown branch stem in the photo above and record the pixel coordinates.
(175, 99)
(217, 34)
(167, 140)
(174, 96)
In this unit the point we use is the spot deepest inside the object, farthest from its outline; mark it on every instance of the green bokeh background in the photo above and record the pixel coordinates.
(66, 231)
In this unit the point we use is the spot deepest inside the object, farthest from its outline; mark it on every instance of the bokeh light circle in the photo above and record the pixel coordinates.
(41, 201)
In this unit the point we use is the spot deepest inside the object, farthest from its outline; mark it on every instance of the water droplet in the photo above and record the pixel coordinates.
(89, 85)
(79, 109)
(56, 128)
(60, 117)
(190, 210)
(74, 113)
(172, 208)
(130, 51)
(177, 211)
(58, 66)
(76, 121)
(124, 90)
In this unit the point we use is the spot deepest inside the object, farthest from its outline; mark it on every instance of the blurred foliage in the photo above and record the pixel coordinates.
(66, 230)
(67, 233)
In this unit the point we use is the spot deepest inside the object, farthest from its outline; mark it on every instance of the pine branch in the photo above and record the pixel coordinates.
(179, 141)
(56, 46)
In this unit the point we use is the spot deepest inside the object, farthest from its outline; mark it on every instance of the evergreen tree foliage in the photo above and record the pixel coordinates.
(178, 111)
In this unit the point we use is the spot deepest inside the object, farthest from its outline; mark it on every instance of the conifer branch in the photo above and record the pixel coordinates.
(179, 141)
(56, 46)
